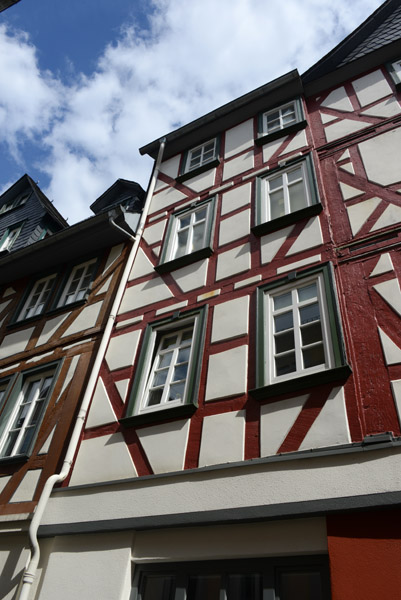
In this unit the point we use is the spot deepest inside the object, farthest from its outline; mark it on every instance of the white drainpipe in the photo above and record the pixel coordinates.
(30, 571)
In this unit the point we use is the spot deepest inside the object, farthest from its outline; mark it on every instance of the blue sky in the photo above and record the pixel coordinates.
(85, 83)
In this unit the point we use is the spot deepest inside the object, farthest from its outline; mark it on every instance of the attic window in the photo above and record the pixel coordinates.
(18, 201)
(394, 69)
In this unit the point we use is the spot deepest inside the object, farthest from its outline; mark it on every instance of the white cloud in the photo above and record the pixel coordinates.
(195, 56)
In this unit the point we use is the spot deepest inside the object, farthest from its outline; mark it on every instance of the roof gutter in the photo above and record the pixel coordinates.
(31, 569)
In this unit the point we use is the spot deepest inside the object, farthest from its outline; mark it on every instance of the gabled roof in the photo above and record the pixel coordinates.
(6, 4)
(26, 182)
(376, 40)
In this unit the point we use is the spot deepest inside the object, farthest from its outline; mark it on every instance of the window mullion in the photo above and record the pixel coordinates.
(287, 206)
(297, 331)
(166, 390)
(26, 420)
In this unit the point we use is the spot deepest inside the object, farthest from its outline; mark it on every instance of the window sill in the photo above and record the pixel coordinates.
(300, 383)
(10, 460)
(183, 261)
(185, 410)
(269, 137)
(72, 305)
(198, 171)
(269, 226)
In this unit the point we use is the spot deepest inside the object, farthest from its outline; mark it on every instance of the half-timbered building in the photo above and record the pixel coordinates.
(57, 286)
(243, 439)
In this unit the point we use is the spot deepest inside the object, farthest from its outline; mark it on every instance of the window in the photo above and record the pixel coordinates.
(78, 283)
(37, 298)
(199, 159)
(286, 195)
(10, 237)
(201, 155)
(18, 201)
(23, 411)
(394, 69)
(299, 333)
(280, 121)
(169, 366)
(188, 236)
(297, 578)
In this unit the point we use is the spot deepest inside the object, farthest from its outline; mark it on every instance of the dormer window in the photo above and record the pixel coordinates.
(199, 159)
(201, 155)
(10, 237)
(281, 120)
(18, 201)
(394, 69)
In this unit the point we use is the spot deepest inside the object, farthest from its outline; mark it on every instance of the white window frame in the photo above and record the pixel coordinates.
(280, 110)
(81, 290)
(10, 237)
(266, 192)
(397, 68)
(27, 415)
(42, 297)
(173, 242)
(202, 149)
(153, 361)
(270, 375)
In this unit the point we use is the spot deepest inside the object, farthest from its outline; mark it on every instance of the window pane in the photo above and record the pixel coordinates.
(160, 378)
(169, 341)
(311, 333)
(309, 313)
(313, 356)
(277, 208)
(155, 397)
(298, 198)
(285, 364)
(182, 239)
(26, 440)
(300, 586)
(157, 587)
(200, 215)
(307, 293)
(180, 372)
(282, 301)
(184, 221)
(204, 587)
(244, 587)
(176, 392)
(284, 341)
(198, 234)
(165, 360)
(284, 321)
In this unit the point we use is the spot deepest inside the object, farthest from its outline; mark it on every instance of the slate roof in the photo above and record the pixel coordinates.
(389, 31)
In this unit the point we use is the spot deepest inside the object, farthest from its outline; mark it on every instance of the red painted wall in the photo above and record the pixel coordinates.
(365, 555)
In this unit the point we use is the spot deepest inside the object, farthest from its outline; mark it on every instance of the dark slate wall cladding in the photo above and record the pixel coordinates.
(388, 32)
(31, 214)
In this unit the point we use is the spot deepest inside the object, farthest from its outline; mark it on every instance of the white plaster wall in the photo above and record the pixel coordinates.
(165, 198)
(392, 353)
(271, 243)
(101, 411)
(330, 428)
(391, 293)
(359, 213)
(271, 147)
(381, 159)
(69, 376)
(349, 191)
(15, 342)
(239, 138)
(299, 263)
(310, 237)
(170, 166)
(13, 557)
(165, 445)
(233, 261)
(142, 266)
(27, 487)
(276, 420)
(192, 276)
(154, 233)
(383, 265)
(390, 216)
(235, 227)
(86, 318)
(96, 566)
(371, 87)
(50, 328)
(338, 100)
(104, 458)
(277, 538)
(306, 479)
(122, 350)
(238, 165)
(299, 141)
(114, 253)
(343, 128)
(236, 198)
(222, 438)
(144, 294)
(386, 109)
(122, 388)
(230, 319)
(202, 181)
(227, 373)
(3, 482)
